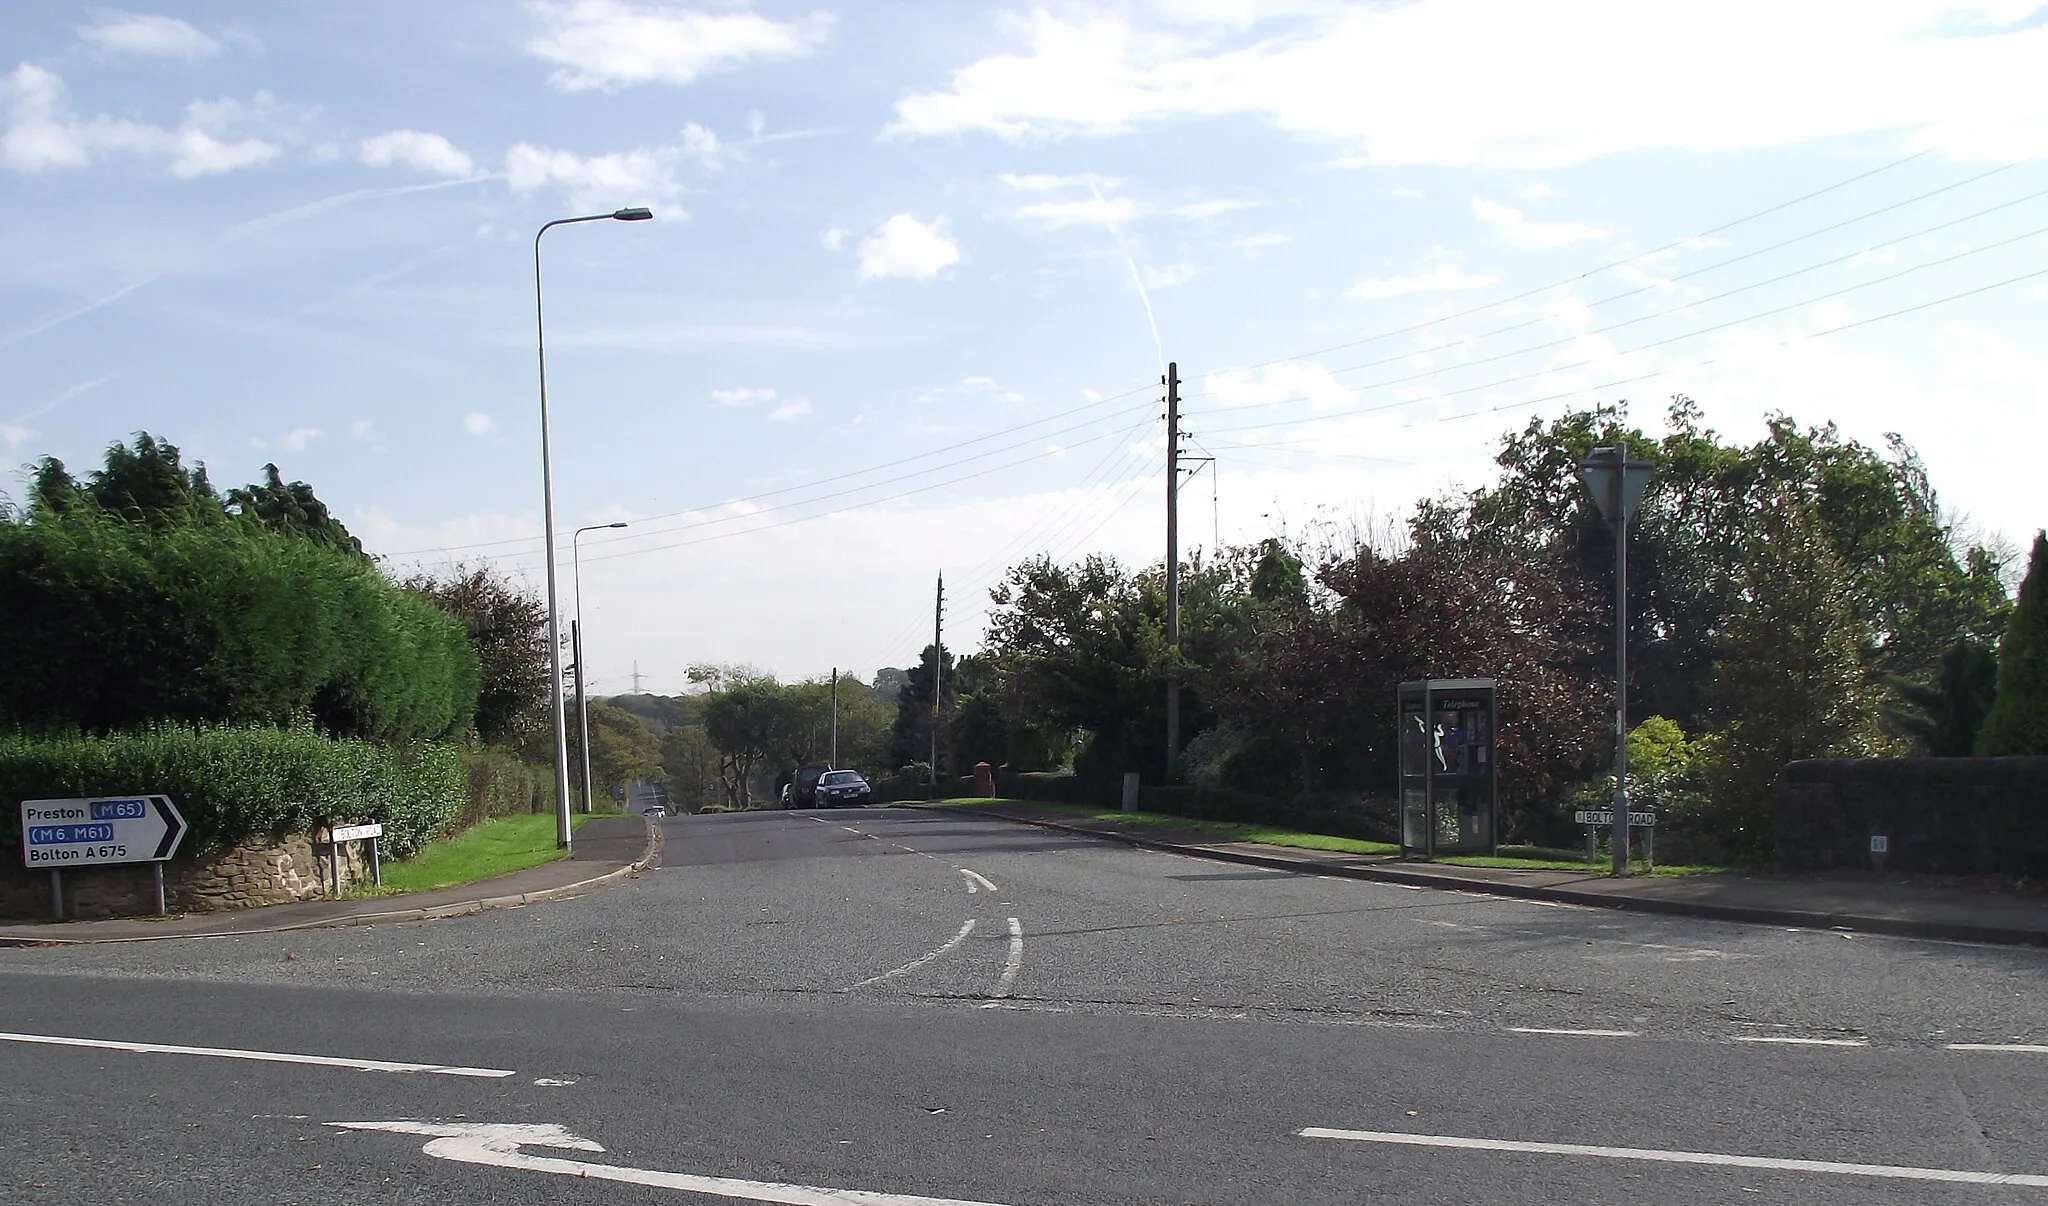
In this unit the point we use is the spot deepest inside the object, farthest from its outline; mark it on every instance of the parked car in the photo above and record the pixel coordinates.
(803, 786)
(843, 789)
(656, 811)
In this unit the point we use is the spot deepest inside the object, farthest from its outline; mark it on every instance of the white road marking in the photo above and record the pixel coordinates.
(270, 1057)
(1893, 1171)
(977, 878)
(921, 960)
(2010, 1048)
(1016, 960)
(1579, 1033)
(1795, 1041)
(496, 1145)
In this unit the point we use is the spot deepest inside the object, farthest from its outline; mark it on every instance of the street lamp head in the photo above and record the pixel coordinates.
(638, 213)
(620, 524)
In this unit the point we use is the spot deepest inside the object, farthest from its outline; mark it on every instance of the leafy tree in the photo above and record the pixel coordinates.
(291, 508)
(1791, 682)
(507, 626)
(693, 766)
(910, 738)
(2018, 723)
(747, 722)
(1945, 715)
(149, 484)
(621, 749)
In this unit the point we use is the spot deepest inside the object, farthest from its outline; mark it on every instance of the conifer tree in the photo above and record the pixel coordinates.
(2018, 723)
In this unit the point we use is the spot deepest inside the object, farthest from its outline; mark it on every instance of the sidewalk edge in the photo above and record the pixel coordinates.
(458, 908)
(1412, 877)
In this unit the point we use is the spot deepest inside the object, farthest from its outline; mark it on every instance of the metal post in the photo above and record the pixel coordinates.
(57, 892)
(938, 672)
(833, 755)
(582, 706)
(376, 864)
(334, 863)
(1620, 839)
(1172, 570)
(161, 910)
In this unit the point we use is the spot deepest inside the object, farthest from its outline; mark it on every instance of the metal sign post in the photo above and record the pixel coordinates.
(1617, 485)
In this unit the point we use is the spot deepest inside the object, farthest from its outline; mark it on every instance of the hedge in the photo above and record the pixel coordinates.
(236, 783)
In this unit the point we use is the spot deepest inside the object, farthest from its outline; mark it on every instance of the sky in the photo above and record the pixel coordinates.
(916, 271)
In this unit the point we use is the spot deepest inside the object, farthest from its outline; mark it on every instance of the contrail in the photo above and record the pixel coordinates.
(1137, 278)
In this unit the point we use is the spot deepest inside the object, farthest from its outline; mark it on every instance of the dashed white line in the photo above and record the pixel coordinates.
(269, 1057)
(1892, 1171)
(914, 964)
(1796, 1041)
(976, 877)
(2009, 1048)
(1015, 962)
(1578, 1033)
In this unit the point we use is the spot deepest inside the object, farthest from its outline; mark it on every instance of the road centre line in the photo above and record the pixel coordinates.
(1578, 1033)
(2008, 1048)
(1015, 962)
(272, 1057)
(921, 960)
(1795, 1041)
(1656, 1155)
(977, 877)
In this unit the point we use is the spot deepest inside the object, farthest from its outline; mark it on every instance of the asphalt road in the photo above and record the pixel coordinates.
(797, 1002)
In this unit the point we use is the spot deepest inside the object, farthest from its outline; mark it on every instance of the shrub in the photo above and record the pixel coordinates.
(2018, 723)
(236, 783)
(501, 784)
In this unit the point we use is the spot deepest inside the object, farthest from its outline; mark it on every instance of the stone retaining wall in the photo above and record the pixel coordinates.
(1963, 816)
(249, 874)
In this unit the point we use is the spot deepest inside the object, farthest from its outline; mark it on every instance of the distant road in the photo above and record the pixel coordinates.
(942, 1009)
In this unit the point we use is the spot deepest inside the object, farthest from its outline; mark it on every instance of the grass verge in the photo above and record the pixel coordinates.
(1537, 859)
(490, 848)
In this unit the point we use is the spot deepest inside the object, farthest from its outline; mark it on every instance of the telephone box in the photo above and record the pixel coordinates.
(1447, 767)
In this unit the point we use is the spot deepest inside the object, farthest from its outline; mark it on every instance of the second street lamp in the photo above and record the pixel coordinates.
(563, 827)
(583, 673)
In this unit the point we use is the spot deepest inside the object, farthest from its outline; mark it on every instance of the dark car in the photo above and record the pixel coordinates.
(802, 789)
(843, 789)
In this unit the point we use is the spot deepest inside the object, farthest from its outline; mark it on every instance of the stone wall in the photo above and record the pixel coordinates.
(251, 873)
(1948, 816)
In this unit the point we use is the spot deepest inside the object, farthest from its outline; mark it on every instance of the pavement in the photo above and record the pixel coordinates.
(928, 1009)
(606, 850)
(1863, 904)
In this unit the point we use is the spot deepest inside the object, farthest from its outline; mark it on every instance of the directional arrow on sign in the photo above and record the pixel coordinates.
(498, 1144)
(174, 825)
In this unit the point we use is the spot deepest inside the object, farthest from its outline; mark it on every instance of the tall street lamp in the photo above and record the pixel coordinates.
(582, 671)
(1617, 486)
(547, 486)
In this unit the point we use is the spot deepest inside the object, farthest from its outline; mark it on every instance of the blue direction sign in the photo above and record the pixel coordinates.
(56, 834)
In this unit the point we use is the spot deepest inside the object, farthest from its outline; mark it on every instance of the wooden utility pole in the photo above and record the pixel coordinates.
(938, 672)
(1172, 571)
(833, 758)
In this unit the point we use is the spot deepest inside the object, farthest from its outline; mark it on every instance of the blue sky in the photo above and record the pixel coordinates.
(938, 253)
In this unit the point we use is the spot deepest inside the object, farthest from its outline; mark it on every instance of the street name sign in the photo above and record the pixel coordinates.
(59, 834)
(1605, 816)
(355, 833)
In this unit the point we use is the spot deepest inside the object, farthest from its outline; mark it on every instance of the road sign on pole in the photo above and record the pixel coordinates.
(63, 834)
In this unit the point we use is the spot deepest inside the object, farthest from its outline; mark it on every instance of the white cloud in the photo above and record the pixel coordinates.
(600, 182)
(298, 438)
(418, 149)
(1198, 210)
(1275, 385)
(1444, 278)
(609, 44)
(1537, 192)
(14, 435)
(145, 34)
(908, 248)
(1531, 236)
(1040, 182)
(1166, 276)
(477, 423)
(835, 238)
(363, 429)
(1410, 194)
(42, 133)
(1537, 91)
(790, 411)
(1088, 211)
(745, 395)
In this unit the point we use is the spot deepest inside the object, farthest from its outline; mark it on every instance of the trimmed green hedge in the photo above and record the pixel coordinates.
(502, 784)
(233, 783)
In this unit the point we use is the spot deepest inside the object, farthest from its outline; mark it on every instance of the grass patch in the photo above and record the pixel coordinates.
(490, 848)
(1526, 858)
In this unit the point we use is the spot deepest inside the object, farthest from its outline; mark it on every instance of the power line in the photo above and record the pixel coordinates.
(1643, 347)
